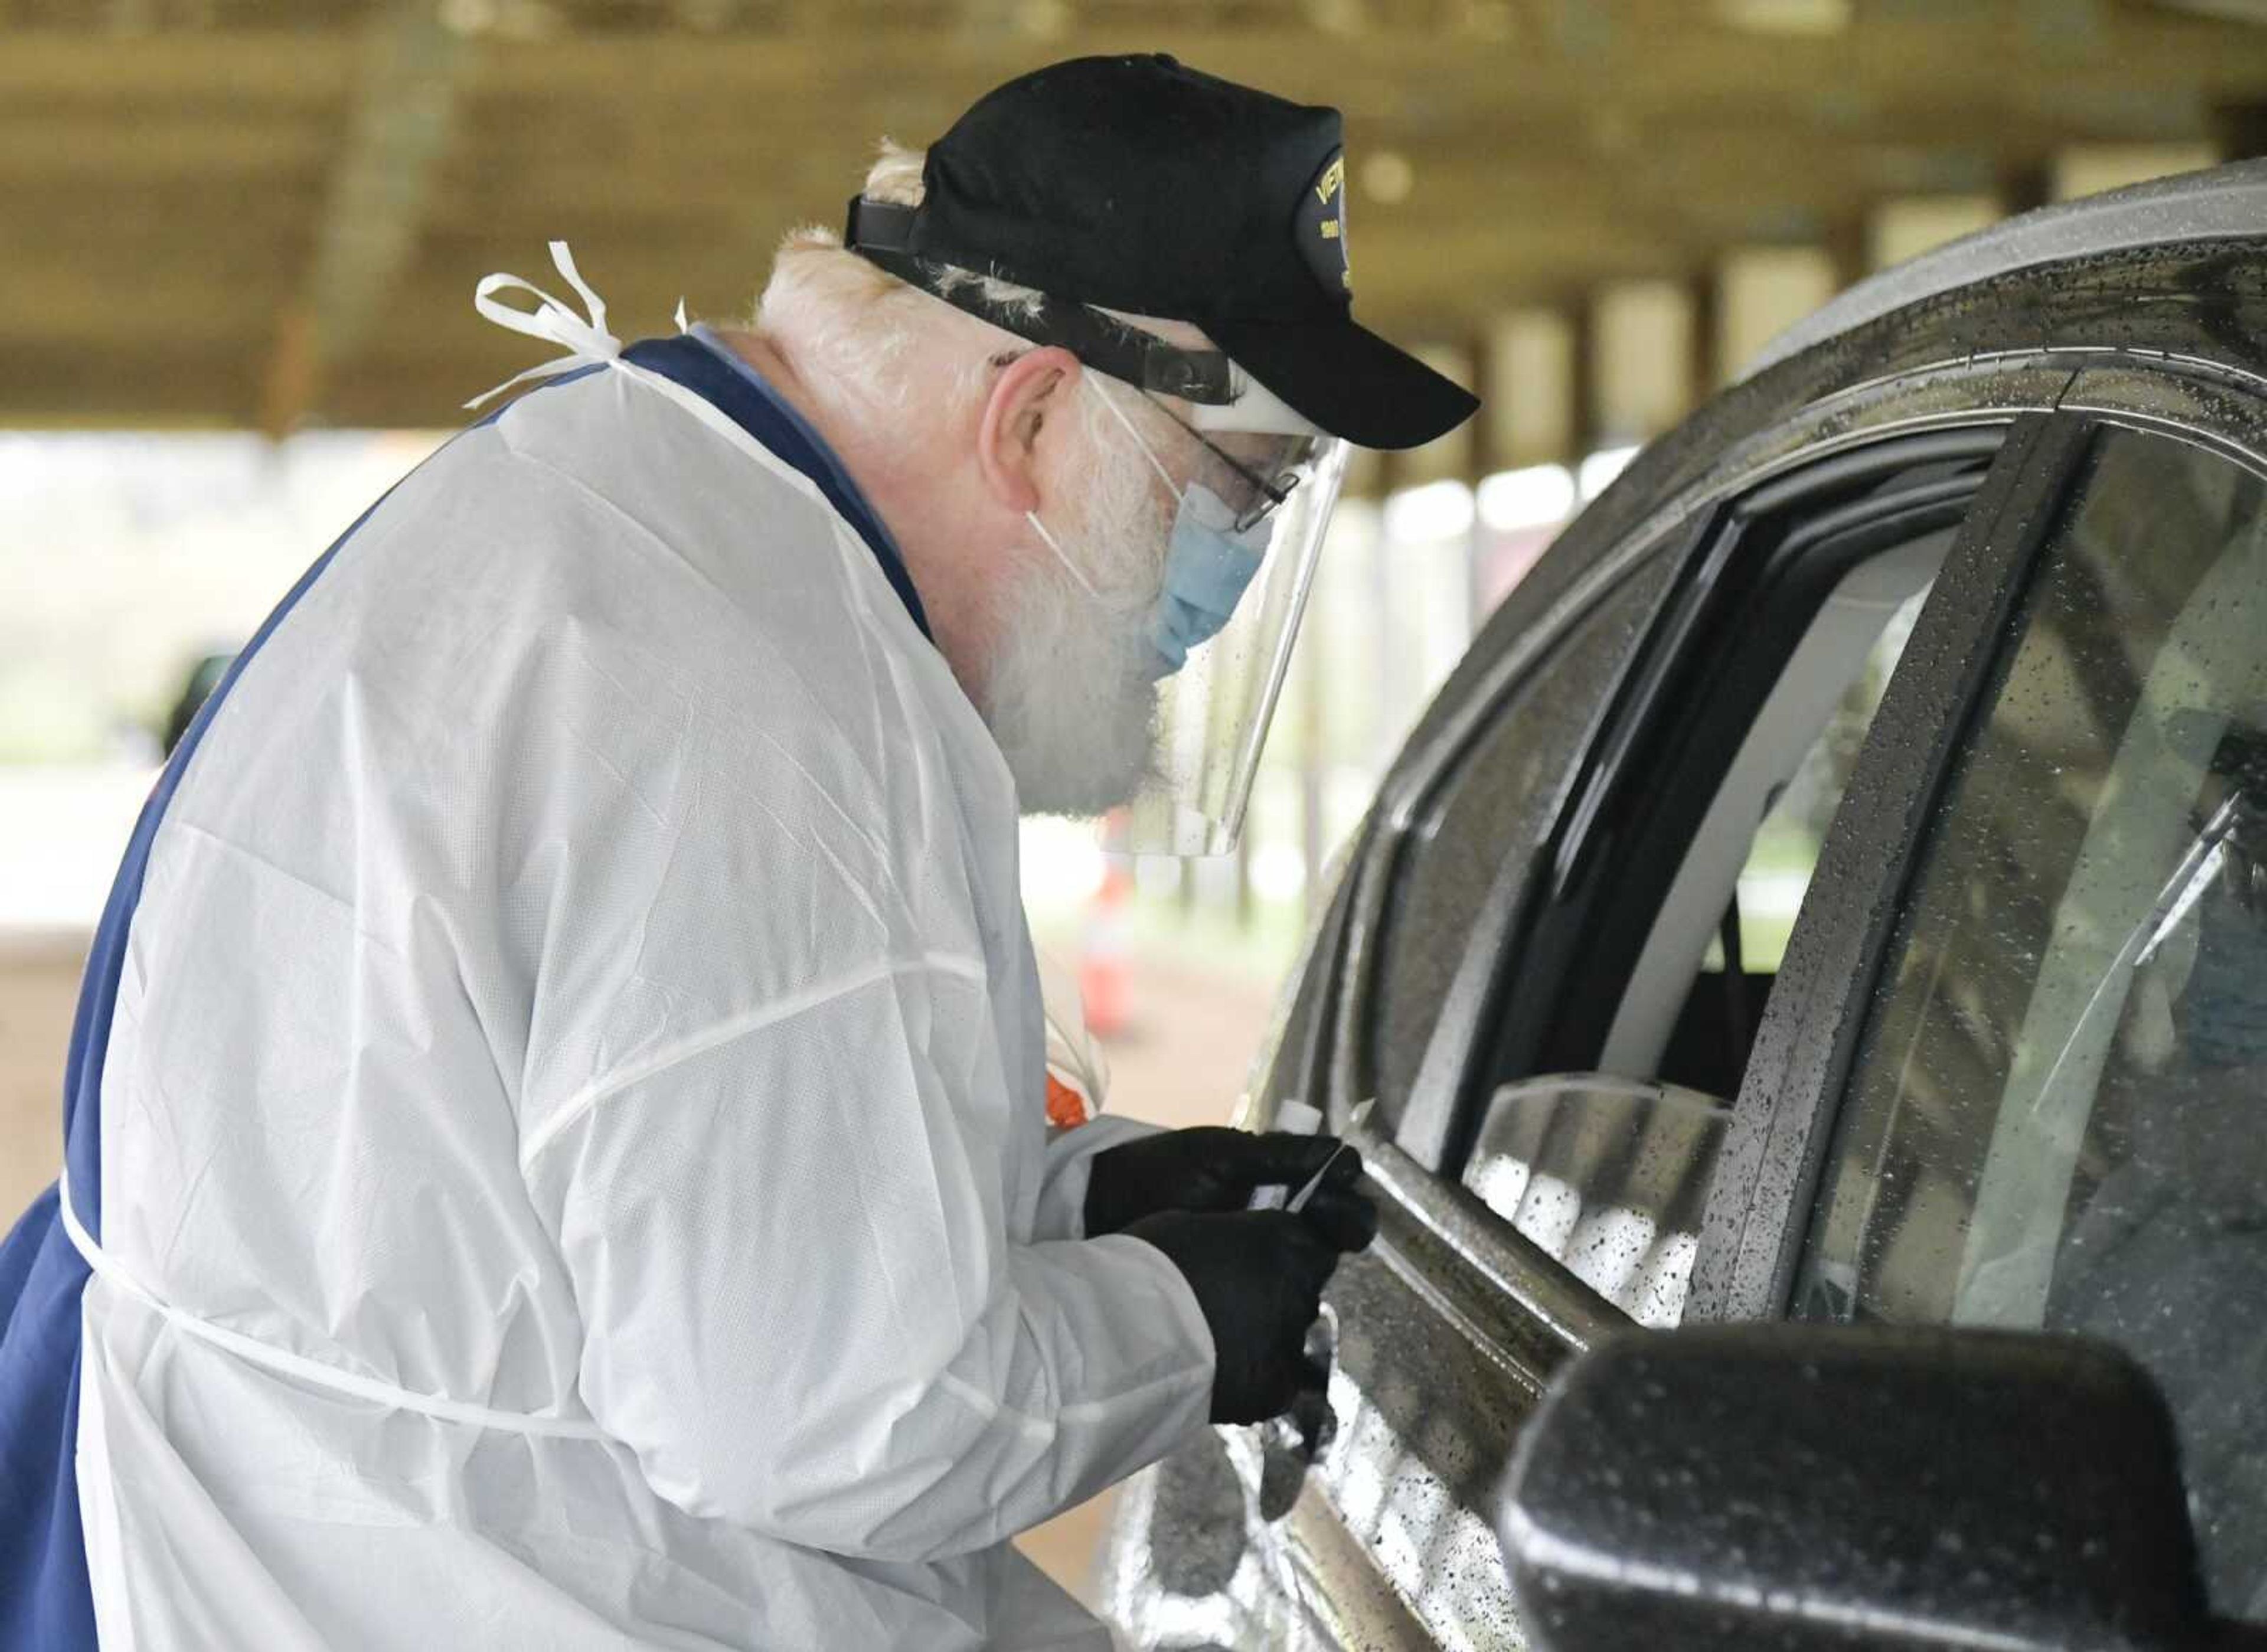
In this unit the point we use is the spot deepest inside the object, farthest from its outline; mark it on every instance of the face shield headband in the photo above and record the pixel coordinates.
(878, 232)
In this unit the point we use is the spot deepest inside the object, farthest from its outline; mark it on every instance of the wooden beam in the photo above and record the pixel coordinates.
(85, 146)
(1642, 357)
(309, 68)
(403, 118)
(166, 382)
(1760, 292)
(1534, 362)
(1907, 226)
(1674, 57)
(2090, 169)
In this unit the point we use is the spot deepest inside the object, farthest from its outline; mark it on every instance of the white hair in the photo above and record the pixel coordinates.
(1069, 697)
(870, 335)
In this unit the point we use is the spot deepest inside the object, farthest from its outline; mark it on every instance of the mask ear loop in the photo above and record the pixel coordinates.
(1052, 544)
(1156, 463)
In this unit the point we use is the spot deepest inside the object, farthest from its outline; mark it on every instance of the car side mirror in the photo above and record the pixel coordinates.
(1792, 1486)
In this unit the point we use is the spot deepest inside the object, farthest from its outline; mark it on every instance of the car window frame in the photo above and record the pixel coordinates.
(1434, 1128)
(1662, 499)
(1761, 1207)
(1661, 505)
(1519, 642)
(1808, 491)
(1800, 534)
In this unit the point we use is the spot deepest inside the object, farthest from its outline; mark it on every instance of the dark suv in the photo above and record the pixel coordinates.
(1833, 887)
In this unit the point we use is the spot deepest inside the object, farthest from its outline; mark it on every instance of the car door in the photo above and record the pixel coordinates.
(1564, 873)
(2037, 1099)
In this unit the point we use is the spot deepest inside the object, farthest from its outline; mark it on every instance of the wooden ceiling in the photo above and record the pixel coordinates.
(268, 212)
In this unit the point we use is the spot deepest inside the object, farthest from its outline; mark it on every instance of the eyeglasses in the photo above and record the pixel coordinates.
(1253, 495)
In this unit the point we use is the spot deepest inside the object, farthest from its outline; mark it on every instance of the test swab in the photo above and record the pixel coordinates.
(1354, 1120)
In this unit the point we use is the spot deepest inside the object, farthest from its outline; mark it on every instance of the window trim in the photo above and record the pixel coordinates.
(1434, 1127)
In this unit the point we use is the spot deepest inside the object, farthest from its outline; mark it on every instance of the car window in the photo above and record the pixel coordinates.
(1769, 667)
(1607, 1171)
(1783, 853)
(2057, 1115)
(1501, 802)
(1762, 651)
(1744, 876)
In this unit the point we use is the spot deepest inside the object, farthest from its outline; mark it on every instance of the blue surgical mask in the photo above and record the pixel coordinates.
(1209, 563)
(1206, 571)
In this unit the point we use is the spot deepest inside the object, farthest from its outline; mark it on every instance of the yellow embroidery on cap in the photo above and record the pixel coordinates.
(1330, 181)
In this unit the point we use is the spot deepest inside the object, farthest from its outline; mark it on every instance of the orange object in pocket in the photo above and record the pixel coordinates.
(1066, 1107)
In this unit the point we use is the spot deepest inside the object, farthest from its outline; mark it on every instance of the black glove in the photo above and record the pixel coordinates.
(1215, 1168)
(1258, 1276)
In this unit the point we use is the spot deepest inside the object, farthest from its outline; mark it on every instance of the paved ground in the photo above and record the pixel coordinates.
(1190, 1040)
(38, 987)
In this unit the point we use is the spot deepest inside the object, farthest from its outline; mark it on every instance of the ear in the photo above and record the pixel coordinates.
(1032, 392)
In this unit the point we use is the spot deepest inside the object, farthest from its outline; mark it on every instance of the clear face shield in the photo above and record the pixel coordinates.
(1254, 504)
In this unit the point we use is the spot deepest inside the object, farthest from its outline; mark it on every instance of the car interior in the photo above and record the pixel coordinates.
(1678, 867)
(1751, 861)
(1607, 1171)
(1709, 799)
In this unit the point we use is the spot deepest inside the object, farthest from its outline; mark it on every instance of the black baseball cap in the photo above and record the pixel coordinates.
(1136, 183)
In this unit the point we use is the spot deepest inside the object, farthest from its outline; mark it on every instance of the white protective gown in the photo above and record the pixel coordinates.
(574, 1165)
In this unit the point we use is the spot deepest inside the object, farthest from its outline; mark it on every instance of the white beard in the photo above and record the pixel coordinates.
(1070, 699)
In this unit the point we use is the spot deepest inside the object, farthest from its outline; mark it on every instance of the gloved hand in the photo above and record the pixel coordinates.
(1258, 1276)
(1213, 1168)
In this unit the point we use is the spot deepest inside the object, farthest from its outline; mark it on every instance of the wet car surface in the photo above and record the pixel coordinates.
(1584, 796)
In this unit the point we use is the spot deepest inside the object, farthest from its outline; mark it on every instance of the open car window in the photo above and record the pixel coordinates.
(1762, 655)
(1686, 1016)
(1607, 1171)
(1698, 821)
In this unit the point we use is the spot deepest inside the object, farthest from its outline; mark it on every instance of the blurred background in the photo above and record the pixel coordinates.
(238, 241)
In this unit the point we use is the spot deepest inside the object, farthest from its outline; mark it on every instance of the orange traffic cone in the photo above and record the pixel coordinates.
(1103, 965)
